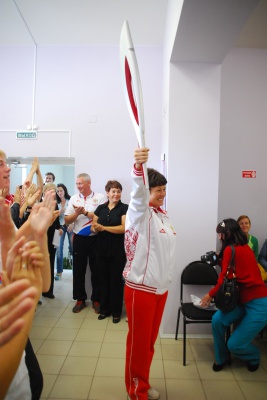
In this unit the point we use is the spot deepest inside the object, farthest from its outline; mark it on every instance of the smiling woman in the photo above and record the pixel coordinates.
(245, 225)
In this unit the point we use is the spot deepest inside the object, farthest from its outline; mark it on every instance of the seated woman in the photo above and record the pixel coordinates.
(109, 222)
(245, 225)
(252, 310)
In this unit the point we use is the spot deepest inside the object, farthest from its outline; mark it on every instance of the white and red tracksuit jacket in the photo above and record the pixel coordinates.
(150, 242)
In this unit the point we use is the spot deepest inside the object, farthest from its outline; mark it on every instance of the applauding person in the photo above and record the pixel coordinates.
(109, 223)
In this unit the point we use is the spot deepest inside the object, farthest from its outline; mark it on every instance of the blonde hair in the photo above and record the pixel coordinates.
(49, 186)
(2, 154)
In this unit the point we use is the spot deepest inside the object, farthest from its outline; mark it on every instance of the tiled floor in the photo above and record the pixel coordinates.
(83, 358)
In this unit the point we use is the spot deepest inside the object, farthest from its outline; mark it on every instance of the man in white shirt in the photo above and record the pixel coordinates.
(80, 211)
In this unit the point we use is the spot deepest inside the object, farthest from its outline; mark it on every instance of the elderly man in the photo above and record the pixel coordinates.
(80, 211)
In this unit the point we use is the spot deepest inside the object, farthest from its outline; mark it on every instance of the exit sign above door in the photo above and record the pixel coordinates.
(26, 135)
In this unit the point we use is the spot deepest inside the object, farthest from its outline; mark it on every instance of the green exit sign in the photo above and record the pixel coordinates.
(26, 135)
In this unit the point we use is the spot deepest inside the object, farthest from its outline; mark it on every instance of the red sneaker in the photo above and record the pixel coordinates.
(79, 306)
(96, 307)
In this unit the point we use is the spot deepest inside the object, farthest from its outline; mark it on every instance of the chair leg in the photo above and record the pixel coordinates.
(184, 344)
(177, 324)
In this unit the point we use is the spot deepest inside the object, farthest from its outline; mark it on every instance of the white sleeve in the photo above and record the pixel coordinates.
(139, 200)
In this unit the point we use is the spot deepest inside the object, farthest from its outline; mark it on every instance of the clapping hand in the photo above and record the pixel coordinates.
(16, 299)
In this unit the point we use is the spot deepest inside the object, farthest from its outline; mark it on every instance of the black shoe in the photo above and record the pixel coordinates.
(49, 295)
(115, 320)
(253, 367)
(103, 316)
(218, 367)
(79, 306)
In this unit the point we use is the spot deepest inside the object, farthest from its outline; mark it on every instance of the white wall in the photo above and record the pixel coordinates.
(193, 169)
(72, 84)
(243, 142)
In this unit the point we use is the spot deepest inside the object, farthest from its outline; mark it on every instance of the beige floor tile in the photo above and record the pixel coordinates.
(44, 321)
(49, 381)
(71, 387)
(50, 364)
(113, 350)
(203, 352)
(83, 358)
(156, 369)
(176, 370)
(86, 335)
(69, 314)
(241, 373)
(216, 389)
(253, 390)
(61, 302)
(107, 388)
(121, 326)
(79, 366)
(52, 312)
(202, 342)
(86, 349)
(39, 332)
(174, 352)
(160, 386)
(206, 372)
(90, 323)
(170, 341)
(69, 323)
(184, 390)
(55, 347)
(115, 336)
(36, 344)
(63, 334)
(110, 367)
(158, 352)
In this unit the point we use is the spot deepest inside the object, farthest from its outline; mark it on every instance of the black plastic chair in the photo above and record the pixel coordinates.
(196, 273)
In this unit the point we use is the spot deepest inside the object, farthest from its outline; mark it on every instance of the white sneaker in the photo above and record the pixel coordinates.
(153, 394)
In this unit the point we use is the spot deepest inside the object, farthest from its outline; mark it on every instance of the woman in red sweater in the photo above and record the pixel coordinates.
(252, 310)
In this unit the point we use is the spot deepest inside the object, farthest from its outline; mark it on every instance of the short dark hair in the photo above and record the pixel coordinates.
(232, 233)
(112, 184)
(51, 173)
(155, 178)
(66, 193)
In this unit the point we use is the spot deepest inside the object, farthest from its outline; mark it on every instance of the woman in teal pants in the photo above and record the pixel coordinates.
(251, 313)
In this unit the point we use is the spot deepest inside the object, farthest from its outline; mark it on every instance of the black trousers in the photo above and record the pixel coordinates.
(34, 370)
(84, 249)
(111, 284)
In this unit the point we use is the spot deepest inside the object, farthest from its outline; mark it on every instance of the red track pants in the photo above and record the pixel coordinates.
(144, 312)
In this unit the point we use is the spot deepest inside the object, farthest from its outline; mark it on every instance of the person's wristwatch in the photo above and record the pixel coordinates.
(86, 213)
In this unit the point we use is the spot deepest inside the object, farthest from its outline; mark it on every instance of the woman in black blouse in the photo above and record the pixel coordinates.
(109, 223)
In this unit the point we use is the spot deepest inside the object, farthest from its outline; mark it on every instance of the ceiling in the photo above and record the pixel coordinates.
(98, 22)
(80, 22)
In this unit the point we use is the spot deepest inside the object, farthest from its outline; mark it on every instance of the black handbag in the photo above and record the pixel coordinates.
(227, 296)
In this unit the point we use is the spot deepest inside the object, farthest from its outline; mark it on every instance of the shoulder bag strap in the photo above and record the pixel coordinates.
(231, 263)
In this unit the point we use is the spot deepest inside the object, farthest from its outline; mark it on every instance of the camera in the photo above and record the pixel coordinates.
(210, 257)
